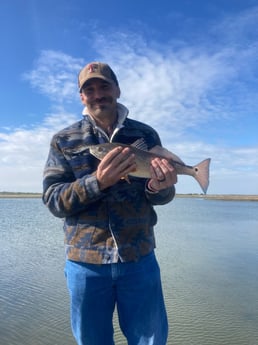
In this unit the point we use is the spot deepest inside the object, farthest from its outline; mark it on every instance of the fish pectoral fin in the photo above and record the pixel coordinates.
(125, 178)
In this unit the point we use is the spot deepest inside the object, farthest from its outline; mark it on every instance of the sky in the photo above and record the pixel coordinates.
(187, 68)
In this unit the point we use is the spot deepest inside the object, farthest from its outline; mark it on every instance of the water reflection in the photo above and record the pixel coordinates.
(208, 256)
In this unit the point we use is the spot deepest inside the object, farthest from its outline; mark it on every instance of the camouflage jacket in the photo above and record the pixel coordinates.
(101, 226)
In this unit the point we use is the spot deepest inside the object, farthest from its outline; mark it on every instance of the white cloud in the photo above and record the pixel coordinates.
(185, 87)
(55, 75)
(166, 85)
(232, 170)
(174, 90)
(24, 152)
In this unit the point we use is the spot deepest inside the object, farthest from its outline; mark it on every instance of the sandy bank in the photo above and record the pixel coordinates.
(225, 197)
(19, 195)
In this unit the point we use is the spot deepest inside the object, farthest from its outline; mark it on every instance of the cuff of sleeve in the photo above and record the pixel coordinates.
(92, 187)
(149, 189)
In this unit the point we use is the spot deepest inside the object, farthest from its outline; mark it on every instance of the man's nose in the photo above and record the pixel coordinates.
(98, 93)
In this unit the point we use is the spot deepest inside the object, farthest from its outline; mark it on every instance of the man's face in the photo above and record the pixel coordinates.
(100, 98)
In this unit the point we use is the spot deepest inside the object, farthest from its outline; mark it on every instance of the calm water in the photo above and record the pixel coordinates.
(208, 253)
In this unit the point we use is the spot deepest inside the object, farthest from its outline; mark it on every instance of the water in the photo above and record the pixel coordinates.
(208, 254)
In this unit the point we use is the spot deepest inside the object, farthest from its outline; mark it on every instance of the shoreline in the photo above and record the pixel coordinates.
(226, 197)
(17, 195)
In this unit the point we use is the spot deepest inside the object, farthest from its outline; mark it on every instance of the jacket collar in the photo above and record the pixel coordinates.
(122, 115)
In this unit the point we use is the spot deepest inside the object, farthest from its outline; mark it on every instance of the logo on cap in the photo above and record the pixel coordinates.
(92, 68)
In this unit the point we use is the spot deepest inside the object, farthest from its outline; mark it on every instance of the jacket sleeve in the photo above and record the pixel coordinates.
(63, 194)
(162, 197)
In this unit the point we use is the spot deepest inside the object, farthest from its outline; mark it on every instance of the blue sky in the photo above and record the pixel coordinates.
(187, 68)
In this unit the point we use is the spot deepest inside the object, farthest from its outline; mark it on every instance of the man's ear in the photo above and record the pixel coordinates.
(82, 97)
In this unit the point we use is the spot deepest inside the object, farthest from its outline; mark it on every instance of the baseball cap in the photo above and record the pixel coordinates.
(96, 70)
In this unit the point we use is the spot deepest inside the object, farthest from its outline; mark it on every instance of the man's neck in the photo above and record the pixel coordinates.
(107, 124)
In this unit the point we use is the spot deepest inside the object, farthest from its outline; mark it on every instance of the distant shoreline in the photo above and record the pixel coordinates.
(226, 197)
(17, 195)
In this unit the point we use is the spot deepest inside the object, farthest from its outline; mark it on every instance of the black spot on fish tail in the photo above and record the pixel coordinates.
(202, 174)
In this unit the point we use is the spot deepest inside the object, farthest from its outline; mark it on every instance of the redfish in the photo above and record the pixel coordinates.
(144, 157)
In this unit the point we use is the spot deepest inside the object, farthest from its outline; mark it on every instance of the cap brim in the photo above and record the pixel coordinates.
(96, 76)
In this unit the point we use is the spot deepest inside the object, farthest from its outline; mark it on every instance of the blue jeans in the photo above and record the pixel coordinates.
(134, 288)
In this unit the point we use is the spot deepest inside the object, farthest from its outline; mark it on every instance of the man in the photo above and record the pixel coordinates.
(108, 227)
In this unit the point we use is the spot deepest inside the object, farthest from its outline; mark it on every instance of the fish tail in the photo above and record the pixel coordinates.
(201, 174)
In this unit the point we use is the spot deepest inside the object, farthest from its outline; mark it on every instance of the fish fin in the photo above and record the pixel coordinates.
(140, 144)
(201, 174)
(126, 178)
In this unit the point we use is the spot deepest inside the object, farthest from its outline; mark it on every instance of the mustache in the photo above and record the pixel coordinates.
(103, 99)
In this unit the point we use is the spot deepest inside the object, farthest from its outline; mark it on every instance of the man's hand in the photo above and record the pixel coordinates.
(115, 165)
(163, 175)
